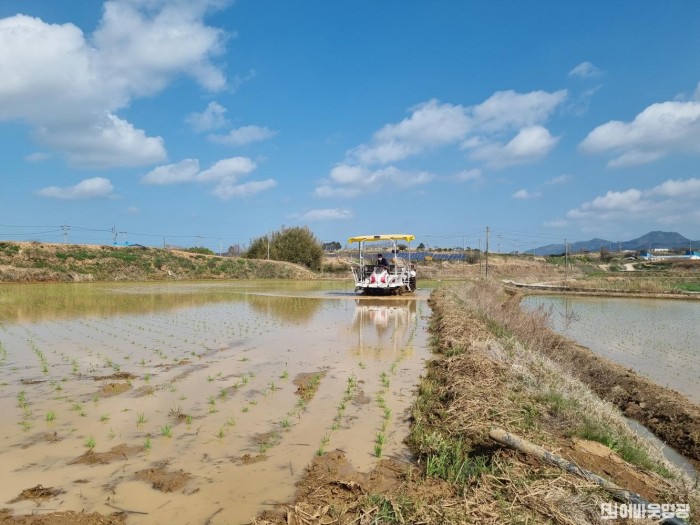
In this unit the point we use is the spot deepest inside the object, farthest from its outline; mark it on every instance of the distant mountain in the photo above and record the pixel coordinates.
(656, 239)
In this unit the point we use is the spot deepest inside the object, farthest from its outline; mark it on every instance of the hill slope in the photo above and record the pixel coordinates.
(32, 262)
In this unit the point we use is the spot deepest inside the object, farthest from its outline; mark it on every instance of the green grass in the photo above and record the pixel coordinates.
(625, 447)
(688, 287)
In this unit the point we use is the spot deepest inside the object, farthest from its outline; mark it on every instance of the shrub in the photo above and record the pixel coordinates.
(296, 245)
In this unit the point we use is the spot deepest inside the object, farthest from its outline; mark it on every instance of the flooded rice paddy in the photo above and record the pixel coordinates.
(191, 402)
(658, 338)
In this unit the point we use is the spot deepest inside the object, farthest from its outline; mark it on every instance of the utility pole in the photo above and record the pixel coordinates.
(65, 229)
(566, 261)
(114, 234)
(480, 263)
(487, 252)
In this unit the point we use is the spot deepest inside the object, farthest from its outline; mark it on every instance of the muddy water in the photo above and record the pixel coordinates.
(658, 338)
(208, 377)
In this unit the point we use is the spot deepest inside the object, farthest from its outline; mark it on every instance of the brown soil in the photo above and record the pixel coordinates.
(63, 518)
(162, 479)
(113, 389)
(37, 493)
(124, 376)
(307, 384)
(118, 453)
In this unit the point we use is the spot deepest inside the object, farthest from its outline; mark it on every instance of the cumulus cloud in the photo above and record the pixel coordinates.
(38, 156)
(560, 179)
(234, 167)
(326, 214)
(228, 188)
(585, 70)
(467, 175)
(656, 132)
(244, 135)
(529, 145)
(225, 173)
(504, 130)
(213, 117)
(69, 86)
(672, 201)
(94, 188)
(524, 194)
(183, 171)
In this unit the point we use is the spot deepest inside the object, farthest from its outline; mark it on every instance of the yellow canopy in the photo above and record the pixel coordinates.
(386, 237)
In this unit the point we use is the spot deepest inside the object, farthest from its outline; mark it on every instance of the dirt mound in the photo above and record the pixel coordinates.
(162, 479)
(113, 389)
(37, 493)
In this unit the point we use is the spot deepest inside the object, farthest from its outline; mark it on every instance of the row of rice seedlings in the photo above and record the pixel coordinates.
(27, 415)
(40, 355)
(348, 394)
(3, 354)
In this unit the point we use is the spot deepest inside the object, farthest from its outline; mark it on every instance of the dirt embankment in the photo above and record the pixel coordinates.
(44, 262)
(484, 376)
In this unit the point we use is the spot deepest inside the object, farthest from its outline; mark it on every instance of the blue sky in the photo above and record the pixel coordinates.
(211, 122)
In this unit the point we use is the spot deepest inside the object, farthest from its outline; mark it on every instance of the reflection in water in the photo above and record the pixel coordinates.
(382, 324)
(286, 308)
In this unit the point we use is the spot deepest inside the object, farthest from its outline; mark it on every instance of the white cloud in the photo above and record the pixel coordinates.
(504, 130)
(524, 195)
(232, 167)
(585, 70)
(529, 145)
(213, 117)
(228, 188)
(326, 214)
(69, 86)
(133, 210)
(670, 202)
(183, 171)
(104, 142)
(226, 173)
(38, 156)
(556, 181)
(94, 188)
(467, 175)
(556, 223)
(244, 136)
(508, 110)
(656, 132)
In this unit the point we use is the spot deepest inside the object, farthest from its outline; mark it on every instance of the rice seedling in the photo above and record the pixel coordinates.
(26, 425)
(384, 377)
(141, 419)
(286, 423)
(221, 433)
(50, 416)
(285, 375)
(147, 443)
(230, 421)
(90, 442)
(166, 430)
(188, 420)
(111, 435)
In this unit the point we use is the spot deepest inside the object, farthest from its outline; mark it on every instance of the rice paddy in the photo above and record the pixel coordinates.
(655, 337)
(237, 385)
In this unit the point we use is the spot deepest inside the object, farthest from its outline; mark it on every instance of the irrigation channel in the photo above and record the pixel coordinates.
(191, 402)
(655, 337)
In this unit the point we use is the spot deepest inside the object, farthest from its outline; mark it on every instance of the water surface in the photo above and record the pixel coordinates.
(658, 338)
(212, 391)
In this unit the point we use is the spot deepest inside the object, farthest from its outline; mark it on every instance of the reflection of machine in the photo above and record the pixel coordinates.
(396, 277)
(381, 324)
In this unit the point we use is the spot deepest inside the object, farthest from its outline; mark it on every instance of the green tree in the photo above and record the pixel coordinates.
(296, 245)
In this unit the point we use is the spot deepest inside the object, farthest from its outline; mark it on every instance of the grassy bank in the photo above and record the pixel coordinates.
(491, 370)
(42, 262)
